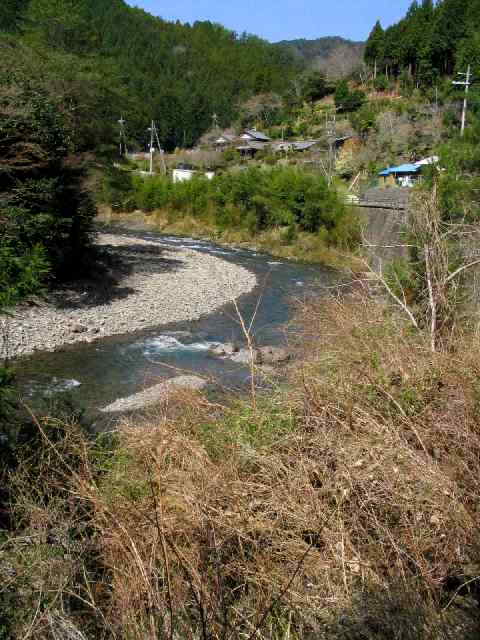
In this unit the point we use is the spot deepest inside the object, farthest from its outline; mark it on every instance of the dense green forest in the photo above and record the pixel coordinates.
(102, 59)
(432, 40)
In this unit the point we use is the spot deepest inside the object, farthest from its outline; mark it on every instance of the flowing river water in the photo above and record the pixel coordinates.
(98, 373)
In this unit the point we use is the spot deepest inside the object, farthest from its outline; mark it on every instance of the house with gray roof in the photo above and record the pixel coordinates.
(294, 145)
(252, 135)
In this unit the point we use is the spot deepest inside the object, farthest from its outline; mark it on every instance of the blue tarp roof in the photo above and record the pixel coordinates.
(403, 168)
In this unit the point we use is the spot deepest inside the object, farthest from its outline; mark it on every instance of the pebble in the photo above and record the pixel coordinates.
(192, 285)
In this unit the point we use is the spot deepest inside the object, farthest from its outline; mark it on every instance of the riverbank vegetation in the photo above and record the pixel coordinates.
(295, 210)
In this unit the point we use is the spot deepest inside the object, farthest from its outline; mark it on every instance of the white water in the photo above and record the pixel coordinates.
(167, 343)
(54, 385)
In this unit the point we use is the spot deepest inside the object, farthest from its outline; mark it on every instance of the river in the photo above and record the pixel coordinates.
(98, 373)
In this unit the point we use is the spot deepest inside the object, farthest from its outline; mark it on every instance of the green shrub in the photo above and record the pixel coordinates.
(22, 274)
(255, 199)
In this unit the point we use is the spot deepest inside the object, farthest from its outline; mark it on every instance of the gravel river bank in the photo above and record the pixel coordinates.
(151, 285)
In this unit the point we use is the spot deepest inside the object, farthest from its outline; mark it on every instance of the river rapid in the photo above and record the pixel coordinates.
(96, 374)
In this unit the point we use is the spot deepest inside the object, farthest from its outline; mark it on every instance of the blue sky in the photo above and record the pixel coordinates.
(284, 19)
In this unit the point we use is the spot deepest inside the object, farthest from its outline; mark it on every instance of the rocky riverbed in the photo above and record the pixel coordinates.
(148, 286)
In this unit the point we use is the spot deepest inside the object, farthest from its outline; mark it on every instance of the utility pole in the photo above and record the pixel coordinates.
(331, 131)
(215, 121)
(154, 138)
(152, 133)
(123, 137)
(465, 83)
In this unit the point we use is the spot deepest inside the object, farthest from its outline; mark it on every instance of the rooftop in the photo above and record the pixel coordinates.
(256, 135)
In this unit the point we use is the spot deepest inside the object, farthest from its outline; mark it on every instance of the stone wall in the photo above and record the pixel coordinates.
(384, 213)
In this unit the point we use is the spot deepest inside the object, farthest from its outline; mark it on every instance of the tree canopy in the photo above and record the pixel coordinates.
(107, 59)
(430, 41)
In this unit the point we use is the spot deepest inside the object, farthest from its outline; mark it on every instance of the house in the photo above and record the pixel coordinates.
(406, 175)
(347, 142)
(252, 135)
(427, 161)
(286, 147)
(299, 146)
(138, 156)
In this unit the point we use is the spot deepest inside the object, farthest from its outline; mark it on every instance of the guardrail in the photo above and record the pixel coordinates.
(371, 204)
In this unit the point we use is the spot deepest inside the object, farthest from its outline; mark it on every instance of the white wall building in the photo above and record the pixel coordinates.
(184, 175)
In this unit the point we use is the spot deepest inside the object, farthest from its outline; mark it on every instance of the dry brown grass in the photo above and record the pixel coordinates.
(345, 506)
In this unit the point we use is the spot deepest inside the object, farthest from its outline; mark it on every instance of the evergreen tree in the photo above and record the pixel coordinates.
(45, 216)
(427, 41)
(315, 87)
(375, 47)
(448, 30)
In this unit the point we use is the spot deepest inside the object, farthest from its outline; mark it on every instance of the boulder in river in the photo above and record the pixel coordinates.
(244, 356)
(155, 394)
(261, 355)
(273, 355)
(224, 350)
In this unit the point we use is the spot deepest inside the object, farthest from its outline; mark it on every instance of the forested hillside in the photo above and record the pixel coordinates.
(430, 41)
(102, 58)
(333, 54)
